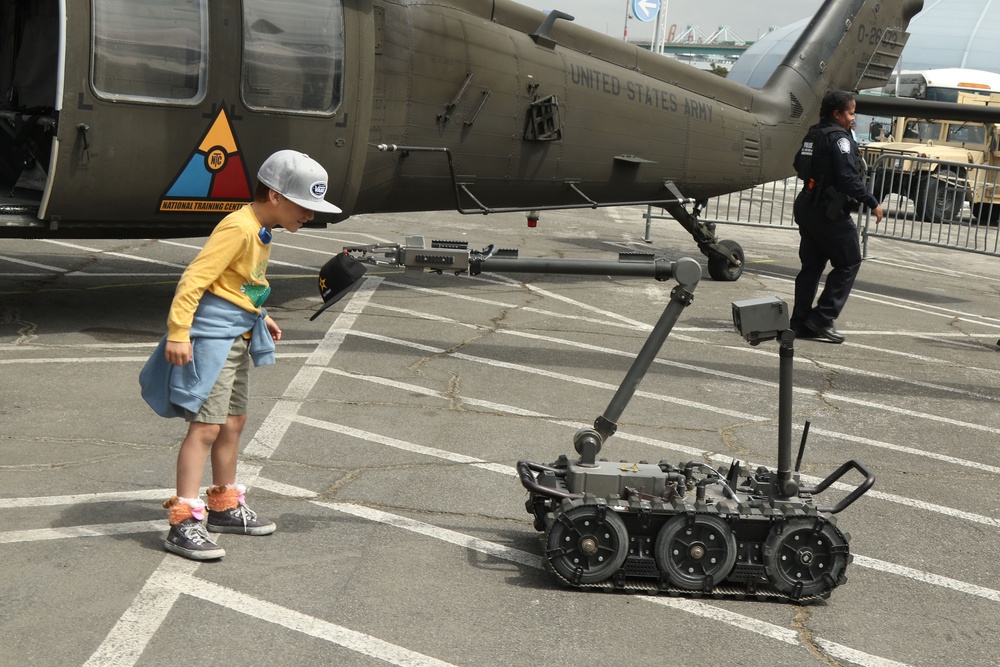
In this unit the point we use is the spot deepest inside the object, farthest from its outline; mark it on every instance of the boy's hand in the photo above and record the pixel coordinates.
(178, 353)
(272, 326)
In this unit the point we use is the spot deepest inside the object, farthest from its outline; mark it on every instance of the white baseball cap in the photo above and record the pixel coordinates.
(298, 178)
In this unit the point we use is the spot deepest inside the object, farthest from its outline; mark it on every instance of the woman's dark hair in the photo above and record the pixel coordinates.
(836, 100)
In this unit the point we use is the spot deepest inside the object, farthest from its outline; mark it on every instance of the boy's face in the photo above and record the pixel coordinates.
(288, 214)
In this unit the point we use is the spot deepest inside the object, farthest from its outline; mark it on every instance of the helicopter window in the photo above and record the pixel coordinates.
(150, 50)
(293, 55)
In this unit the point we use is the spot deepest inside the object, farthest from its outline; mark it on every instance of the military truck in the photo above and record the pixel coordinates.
(934, 182)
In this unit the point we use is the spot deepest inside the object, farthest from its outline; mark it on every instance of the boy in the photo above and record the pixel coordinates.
(217, 322)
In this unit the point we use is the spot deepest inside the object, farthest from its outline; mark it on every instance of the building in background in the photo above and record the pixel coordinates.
(951, 33)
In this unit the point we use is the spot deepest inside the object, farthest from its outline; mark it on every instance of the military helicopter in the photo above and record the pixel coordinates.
(147, 119)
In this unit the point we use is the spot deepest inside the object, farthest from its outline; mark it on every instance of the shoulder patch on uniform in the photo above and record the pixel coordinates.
(844, 144)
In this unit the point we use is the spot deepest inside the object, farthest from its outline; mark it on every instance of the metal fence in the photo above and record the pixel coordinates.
(946, 204)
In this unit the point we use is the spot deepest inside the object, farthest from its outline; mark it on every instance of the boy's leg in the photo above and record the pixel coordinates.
(226, 449)
(192, 456)
(186, 511)
(210, 426)
(227, 508)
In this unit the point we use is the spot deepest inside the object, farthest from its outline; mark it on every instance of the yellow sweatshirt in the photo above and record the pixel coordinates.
(231, 266)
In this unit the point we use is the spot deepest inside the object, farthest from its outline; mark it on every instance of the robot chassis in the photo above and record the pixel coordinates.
(685, 529)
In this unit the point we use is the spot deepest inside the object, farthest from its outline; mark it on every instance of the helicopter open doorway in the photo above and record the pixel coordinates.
(31, 47)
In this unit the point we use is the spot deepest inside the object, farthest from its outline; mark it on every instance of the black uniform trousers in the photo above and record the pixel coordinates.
(822, 240)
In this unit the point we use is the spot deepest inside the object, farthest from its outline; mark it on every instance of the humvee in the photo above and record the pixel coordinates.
(925, 160)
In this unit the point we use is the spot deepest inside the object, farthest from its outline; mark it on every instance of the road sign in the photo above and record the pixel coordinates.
(645, 10)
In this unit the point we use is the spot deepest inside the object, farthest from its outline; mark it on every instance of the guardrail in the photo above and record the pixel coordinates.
(947, 204)
(927, 201)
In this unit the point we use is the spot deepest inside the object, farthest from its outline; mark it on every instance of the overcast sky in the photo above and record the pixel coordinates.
(749, 19)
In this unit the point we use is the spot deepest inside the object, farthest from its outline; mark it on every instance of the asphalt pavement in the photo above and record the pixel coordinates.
(383, 444)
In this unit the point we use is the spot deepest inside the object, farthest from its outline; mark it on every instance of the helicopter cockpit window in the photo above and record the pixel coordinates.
(150, 50)
(293, 55)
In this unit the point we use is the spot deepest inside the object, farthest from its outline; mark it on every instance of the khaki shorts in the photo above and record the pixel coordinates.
(231, 392)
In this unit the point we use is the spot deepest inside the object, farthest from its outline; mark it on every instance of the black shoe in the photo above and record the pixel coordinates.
(189, 539)
(241, 520)
(801, 331)
(826, 333)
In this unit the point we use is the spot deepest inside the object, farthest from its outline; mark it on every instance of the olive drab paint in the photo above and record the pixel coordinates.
(477, 106)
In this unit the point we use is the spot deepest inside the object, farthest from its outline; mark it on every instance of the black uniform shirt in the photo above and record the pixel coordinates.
(841, 159)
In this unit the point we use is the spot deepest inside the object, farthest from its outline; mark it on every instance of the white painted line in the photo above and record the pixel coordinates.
(128, 638)
(800, 390)
(858, 439)
(270, 262)
(944, 458)
(34, 265)
(442, 534)
(103, 530)
(929, 308)
(73, 360)
(149, 609)
(98, 251)
(271, 432)
(740, 621)
(905, 304)
(897, 263)
(927, 578)
(327, 235)
(130, 274)
(691, 451)
(295, 621)
(124, 644)
(85, 498)
(841, 652)
(548, 294)
(824, 365)
(281, 488)
(523, 557)
(221, 595)
(771, 631)
(763, 628)
(97, 530)
(527, 309)
(723, 374)
(660, 397)
(405, 386)
(405, 446)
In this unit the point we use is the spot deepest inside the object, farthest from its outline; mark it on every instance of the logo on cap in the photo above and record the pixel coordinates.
(318, 189)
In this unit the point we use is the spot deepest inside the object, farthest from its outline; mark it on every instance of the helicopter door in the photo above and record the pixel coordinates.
(170, 106)
(29, 67)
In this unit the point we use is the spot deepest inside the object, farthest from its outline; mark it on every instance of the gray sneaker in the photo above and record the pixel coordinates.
(241, 520)
(190, 539)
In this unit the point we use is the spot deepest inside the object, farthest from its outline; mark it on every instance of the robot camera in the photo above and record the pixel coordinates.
(760, 319)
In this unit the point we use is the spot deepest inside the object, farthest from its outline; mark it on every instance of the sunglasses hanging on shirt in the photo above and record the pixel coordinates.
(265, 235)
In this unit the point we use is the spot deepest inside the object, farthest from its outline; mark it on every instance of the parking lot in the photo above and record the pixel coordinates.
(383, 444)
